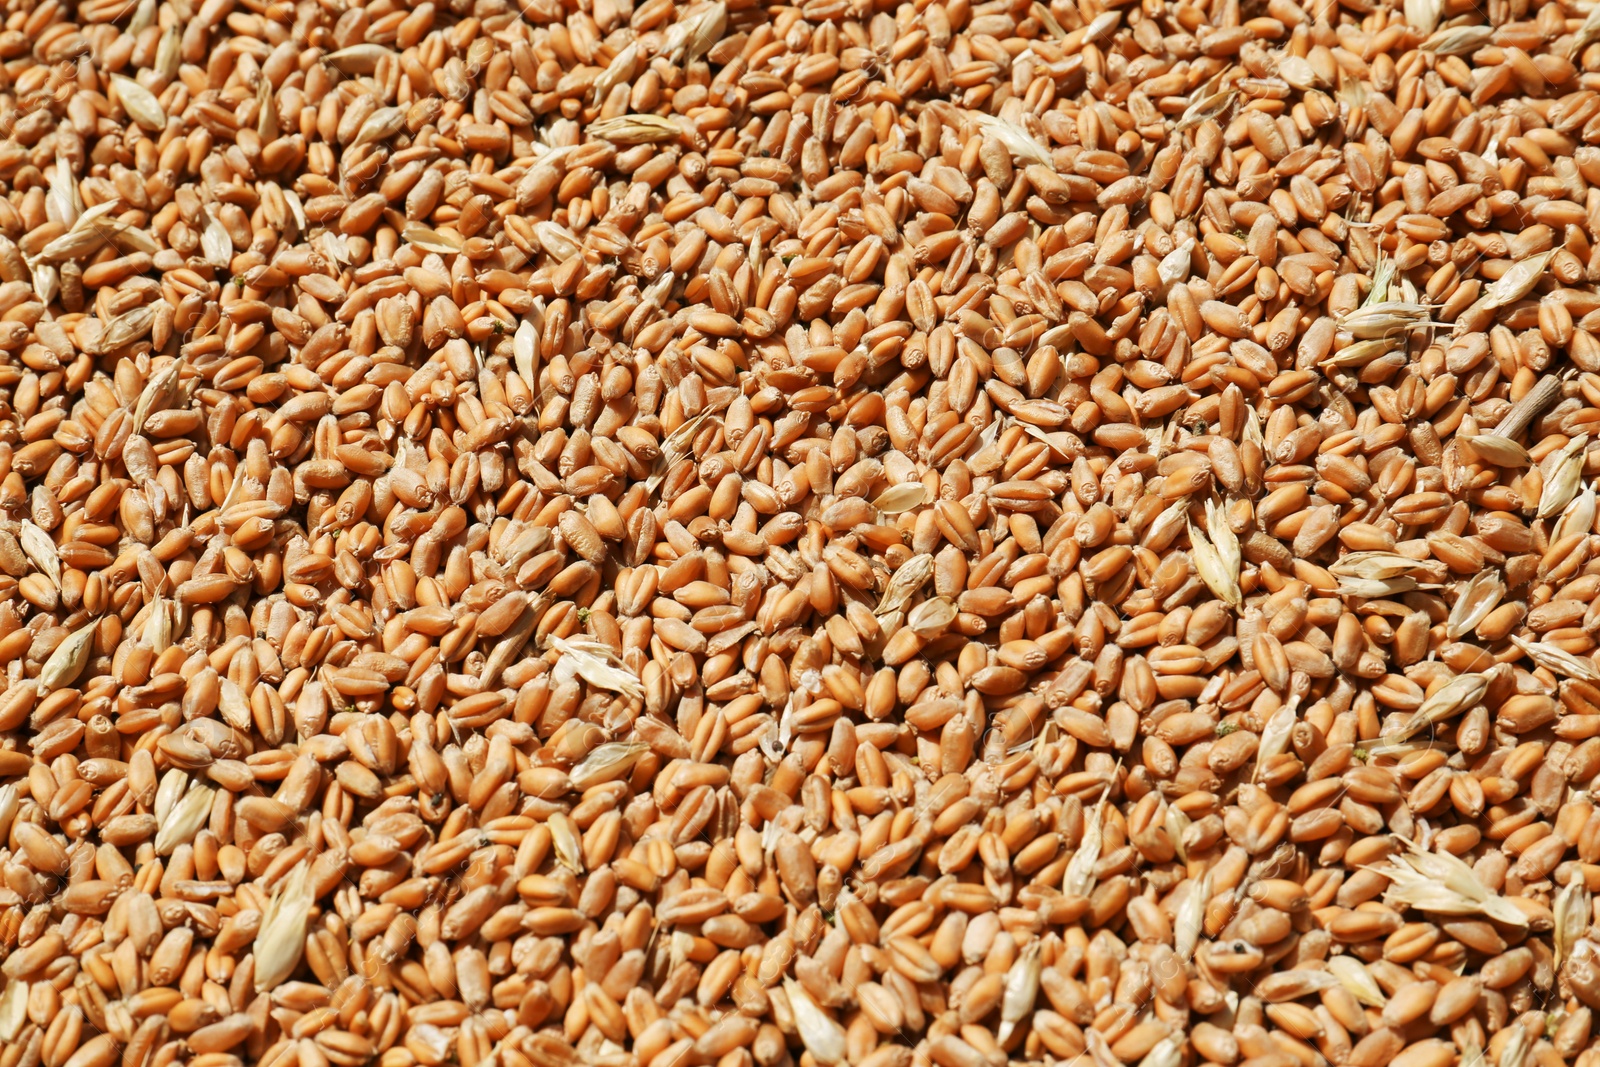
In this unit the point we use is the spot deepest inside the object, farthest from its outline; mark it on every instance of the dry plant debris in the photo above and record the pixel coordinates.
(923, 534)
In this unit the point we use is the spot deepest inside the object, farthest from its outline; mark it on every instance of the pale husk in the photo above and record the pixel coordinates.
(157, 632)
(607, 763)
(381, 125)
(431, 240)
(932, 617)
(1167, 1053)
(144, 16)
(169, 791)
(234, 706)
(281, 940)
(157, 393)
(1079, 879)
(907, 579)
(1558, 660)
(1223, 537)
(565, 839)
(1451, 699)
(1383, 272)
(1573, 911)
(1564, 479)
(1438, 882)
(140, 103)
(1515, 1050)
(901, 498)
(13, 1009)
(357, 59)
(1218, 563)
(636, 129)
(1174, 266)
(1020, 991)
(1587, 34)
(1212, 106)
(1357, 980)
(596, 664)
(87, 234)
(1500, 451)
(1518, 281)
(525, 350)
(673, 448)
(1360, 353)
(1042, 13)
(169, 53)
(1577, 518)
(63, 201)
(69, 658)
(267, 112)
(1423, 15)
(1480, 596)
(189, 814)
(41, 550)
(1275, 735)
(621, 70)
(1458, 40)
(126, 328)
(1176, 822)
(705, 31)
(1014, 138)
(1384, 319)
(557, 240)
(1373, 566)
(822, 1036)
(1062, 443)
(9, 803)
(46, 280)
(216, 242)
(1377, 588)
(1190, 922)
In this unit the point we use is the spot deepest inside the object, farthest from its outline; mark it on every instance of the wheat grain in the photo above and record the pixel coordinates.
(637, 533)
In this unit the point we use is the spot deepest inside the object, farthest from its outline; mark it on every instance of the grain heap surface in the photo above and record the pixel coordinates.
(925, 534)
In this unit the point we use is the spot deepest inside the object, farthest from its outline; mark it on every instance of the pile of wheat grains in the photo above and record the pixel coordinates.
(918, 534)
